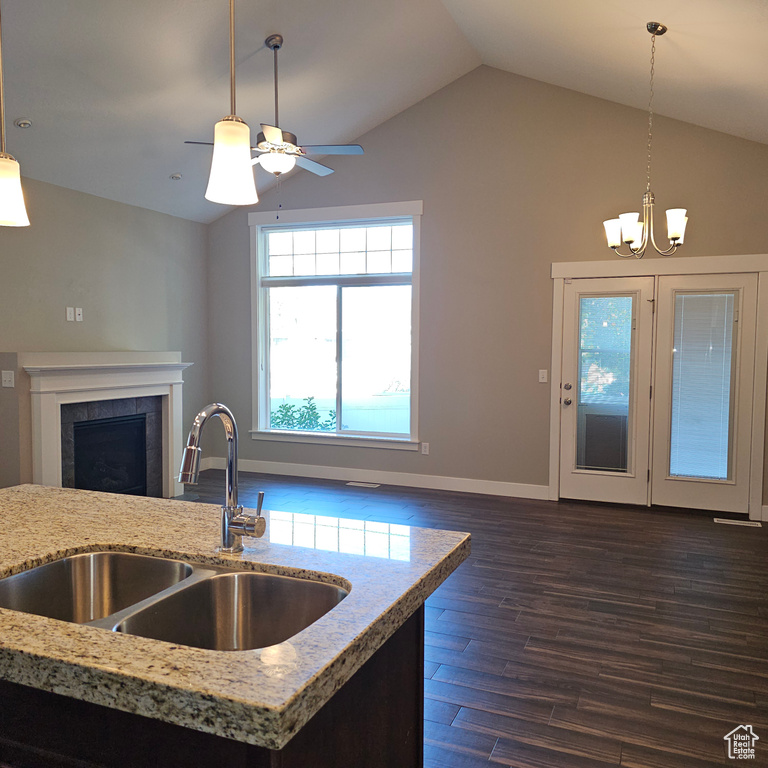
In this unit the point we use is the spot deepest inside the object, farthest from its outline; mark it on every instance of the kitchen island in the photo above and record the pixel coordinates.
(345, 691)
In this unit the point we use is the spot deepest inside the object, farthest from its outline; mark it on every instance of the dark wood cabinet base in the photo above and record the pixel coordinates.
(375, 720)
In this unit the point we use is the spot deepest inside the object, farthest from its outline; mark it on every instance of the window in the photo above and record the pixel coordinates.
(335, 325)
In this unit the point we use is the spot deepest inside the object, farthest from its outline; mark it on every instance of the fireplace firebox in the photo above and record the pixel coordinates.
(111, 455)
(114, 446)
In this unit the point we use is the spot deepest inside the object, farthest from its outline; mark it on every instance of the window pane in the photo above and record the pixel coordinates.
(304, 264)
(280, 243)
(402, 261)
(379, 238)
(379, 261)
(304, 241)
(302, 358)
(352, 239)
(376, 359)
(280, 266)
(353, 263)
(605, 357)
(402, 237)
(327, 240)
(702, 382)
(327, 263)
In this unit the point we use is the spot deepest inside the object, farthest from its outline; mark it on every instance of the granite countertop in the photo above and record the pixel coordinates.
(261, 696)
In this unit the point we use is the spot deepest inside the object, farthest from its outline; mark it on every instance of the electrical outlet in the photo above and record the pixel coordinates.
(543, 375)
(8, 379)
(425, 449)
(79, 314)
(70, 314)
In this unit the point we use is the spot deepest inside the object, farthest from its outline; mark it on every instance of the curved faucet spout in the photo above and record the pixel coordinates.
(190, 460)
(233, 522)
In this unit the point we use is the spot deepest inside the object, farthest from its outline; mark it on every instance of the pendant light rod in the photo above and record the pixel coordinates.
(2, 92)
(275, 42)
(233, 106)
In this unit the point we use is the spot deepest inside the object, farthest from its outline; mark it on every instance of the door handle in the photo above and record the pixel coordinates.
(567, 401)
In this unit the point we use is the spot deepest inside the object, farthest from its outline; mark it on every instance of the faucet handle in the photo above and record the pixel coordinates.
(249, 525)
(259, 503)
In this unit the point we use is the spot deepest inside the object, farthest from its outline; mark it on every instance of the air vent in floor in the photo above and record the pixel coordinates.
(748, 523)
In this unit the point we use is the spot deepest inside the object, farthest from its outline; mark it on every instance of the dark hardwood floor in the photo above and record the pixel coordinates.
(576, 634)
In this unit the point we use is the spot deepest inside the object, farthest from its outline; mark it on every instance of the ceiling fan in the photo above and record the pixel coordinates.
(280, 150)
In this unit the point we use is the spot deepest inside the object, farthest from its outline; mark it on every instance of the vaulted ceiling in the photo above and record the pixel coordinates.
(114, 88)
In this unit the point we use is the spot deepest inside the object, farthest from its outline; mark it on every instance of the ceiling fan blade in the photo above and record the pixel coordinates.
(332, 149)
(272, 134)
(313, 166)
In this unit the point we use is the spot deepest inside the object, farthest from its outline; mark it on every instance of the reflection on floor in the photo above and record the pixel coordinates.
(576, 635)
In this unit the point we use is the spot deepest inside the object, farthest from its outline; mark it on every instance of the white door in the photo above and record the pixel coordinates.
(703, 391)
(605, 395)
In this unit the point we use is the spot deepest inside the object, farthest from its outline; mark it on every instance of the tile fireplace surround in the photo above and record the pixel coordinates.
(58, 378)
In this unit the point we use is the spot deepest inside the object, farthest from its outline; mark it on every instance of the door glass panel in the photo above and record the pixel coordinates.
(702, 385)
(605, 361)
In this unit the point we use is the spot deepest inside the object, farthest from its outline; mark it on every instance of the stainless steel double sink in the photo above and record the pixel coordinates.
(201, 606)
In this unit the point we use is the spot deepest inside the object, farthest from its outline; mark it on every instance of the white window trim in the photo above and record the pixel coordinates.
(320, 216)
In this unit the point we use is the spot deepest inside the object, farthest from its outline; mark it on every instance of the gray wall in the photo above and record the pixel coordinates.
(139, 276)
(514, 174)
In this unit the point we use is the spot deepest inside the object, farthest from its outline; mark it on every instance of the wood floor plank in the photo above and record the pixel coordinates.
(573, 627)
(557, 742)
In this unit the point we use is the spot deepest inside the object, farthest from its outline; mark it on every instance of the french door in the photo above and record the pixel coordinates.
(657, 390)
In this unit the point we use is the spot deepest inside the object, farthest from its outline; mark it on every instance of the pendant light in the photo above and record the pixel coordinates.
(231, 180)
(627, 229)
(13, 212)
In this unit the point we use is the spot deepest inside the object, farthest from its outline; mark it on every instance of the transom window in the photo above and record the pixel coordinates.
(335, 329)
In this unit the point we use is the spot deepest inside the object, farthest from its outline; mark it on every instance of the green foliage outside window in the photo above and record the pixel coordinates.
(306, 418)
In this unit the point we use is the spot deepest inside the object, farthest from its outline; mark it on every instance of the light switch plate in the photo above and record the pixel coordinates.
(79, 314)
(70, 314)
(8, 379)
(543, 375)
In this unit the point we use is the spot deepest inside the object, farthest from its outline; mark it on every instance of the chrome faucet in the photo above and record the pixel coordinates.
(234, 523)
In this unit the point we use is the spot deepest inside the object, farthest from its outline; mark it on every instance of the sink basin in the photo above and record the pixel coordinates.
(82, 588)
(235, 611)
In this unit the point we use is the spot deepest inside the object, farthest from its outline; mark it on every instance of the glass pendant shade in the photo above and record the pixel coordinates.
(637, 239)
(676, 221)
(231, 181)
(277, 162)
(613, 232)
(629, 226)
(13, 211)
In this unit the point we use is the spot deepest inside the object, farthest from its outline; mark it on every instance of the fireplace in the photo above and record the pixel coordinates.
(70, 387)
(113, 446)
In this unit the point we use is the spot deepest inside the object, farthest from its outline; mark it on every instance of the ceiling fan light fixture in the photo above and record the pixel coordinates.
(231, 181)
(277, 162)
(13, 211)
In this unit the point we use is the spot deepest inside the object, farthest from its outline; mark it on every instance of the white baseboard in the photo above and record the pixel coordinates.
(435, 482)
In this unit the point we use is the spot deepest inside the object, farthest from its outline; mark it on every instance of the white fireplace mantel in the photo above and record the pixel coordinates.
(57, 378)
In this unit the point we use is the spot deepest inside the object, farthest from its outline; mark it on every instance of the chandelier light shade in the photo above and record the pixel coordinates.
(628, 229)
(231, 179)
(13, 211)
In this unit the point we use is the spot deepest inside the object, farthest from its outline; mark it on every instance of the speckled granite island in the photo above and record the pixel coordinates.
(340, 692)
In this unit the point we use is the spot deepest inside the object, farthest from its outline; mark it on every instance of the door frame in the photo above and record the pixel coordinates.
(656, 267)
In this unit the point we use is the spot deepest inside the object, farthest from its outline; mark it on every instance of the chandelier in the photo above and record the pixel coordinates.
(628, 229)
